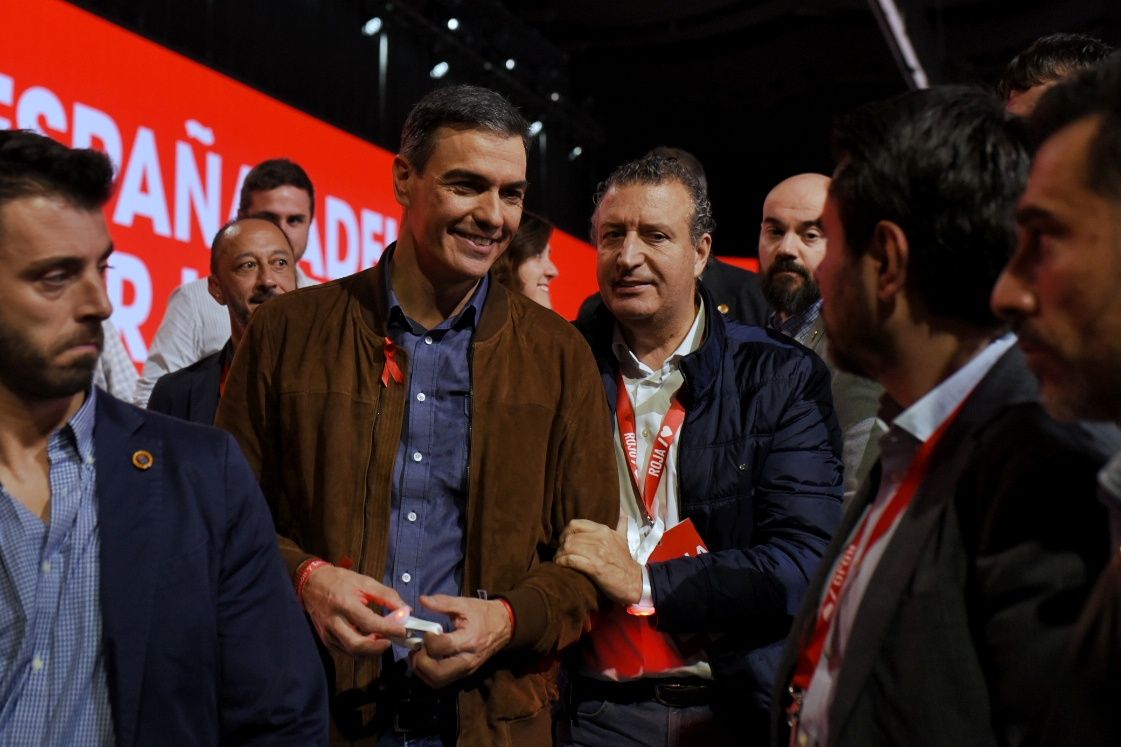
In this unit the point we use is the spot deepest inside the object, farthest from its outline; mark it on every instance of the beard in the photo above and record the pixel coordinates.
(31, 373)
(789, 295)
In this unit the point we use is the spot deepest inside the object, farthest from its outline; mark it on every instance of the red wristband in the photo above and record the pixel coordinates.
(303, 573)
(510, 612)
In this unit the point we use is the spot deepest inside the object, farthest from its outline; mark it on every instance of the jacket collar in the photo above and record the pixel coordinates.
(129, 494)
(701, 367)
(369, 290)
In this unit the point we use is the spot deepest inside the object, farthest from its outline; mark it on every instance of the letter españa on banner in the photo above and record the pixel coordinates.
(182, 138)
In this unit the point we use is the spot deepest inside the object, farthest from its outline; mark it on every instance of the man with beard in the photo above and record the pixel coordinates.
(251, 261)
(955, 578)
(791, 246)
(1060, 290)
(142, 599)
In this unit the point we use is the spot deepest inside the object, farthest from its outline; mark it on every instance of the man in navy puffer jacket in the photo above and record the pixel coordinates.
(730, 483)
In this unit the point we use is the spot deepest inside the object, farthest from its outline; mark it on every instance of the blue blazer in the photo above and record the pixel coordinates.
(191, 393)
(204, 640)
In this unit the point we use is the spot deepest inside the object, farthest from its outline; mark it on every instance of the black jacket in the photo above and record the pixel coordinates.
(760, 475)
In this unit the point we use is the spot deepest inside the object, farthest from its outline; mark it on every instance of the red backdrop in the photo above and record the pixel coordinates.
(182, 138)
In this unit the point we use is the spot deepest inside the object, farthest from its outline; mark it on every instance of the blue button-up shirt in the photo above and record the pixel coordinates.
(799, 325)
(428, 512)
(53, 687)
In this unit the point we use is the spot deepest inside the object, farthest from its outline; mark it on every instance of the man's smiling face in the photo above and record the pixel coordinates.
(464, 208)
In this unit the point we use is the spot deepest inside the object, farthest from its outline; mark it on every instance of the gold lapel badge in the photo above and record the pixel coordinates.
(722, 308)
(143, 459)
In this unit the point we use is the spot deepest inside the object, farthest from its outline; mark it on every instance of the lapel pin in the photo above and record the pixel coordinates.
(143, 459)
(722, 308)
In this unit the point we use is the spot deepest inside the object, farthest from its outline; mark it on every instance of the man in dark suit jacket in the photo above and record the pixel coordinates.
(1065, 305)
(142, 599)
(251, 261)
(952, 586)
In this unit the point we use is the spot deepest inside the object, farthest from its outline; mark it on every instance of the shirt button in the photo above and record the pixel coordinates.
(406, 577)
(420, 397)
(46, 566)
(416, 456)
(428, 339)
(646, 433)
(36, 664)
(411, 516)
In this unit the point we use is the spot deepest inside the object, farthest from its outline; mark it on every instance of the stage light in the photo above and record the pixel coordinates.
(453, 24)
(372, 26)
(575, 153)
(554, 97)
(510, 63)
(439, 70)
(535, 128)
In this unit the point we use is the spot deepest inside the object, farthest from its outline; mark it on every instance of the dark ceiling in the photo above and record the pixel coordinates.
(750, 87)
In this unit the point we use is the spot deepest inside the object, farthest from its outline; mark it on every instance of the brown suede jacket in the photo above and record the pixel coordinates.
(304, 398)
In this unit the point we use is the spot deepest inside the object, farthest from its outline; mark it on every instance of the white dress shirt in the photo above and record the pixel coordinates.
(651, 392)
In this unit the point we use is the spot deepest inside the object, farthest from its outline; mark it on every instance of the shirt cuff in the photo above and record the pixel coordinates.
(647, 599)
(645, 606)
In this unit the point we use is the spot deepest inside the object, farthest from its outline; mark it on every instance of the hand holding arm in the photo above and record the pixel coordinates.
(601, 554)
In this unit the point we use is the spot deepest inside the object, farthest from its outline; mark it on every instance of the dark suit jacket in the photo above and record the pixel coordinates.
(204, 640)
(191, 393)
(973, 600)
(1088, 689)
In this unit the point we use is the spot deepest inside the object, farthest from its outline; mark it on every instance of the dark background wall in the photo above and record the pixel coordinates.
(749, 87)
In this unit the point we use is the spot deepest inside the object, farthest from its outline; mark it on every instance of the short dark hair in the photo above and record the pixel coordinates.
(273, 173)
(688, 160)
(653, 169)
(32, 165)
(946, 165)
(463, 106)
(1092, 93)
(221, 234)
(530, 240)
(1050, 58)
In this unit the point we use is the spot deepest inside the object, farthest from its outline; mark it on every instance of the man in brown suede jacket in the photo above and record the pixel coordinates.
(423, 437)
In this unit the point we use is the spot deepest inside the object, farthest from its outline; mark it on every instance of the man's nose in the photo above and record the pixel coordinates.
(488, 209)
(1012, 296)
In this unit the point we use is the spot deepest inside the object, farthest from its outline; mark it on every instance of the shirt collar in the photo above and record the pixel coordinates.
(468, 317)
(798, 324)
(925, 416)
(1110, 478)
(81, 425)
(634, 368)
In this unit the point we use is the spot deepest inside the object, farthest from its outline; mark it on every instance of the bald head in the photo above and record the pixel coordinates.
(791, 242)
(251, 261)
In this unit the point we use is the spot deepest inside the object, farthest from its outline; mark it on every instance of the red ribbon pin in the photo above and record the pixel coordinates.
(391, 370)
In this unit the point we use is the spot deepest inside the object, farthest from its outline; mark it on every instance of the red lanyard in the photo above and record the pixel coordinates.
(811, 654)
(646, 490)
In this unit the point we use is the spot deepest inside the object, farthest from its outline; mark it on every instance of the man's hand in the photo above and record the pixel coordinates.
(482, 629)
(337, 600)
(601, 554)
